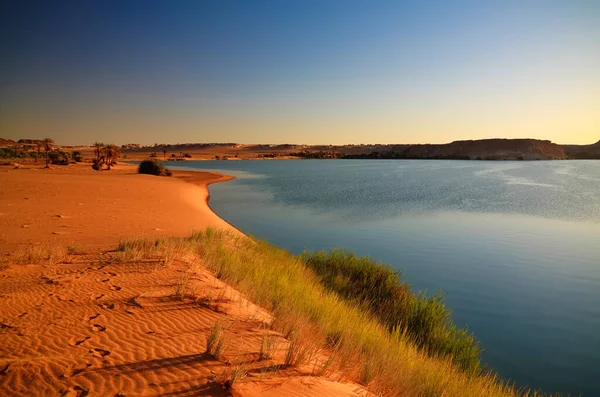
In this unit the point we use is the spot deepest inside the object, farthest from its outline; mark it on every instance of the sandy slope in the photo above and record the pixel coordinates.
(90, 325)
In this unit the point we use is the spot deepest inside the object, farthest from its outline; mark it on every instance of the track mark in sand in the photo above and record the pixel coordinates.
(96, 297)
(91, 317)
(22, 314)
(115, 288)
(74, 369)
(5, 326)
(99, 353)
(4, 370)
(63, 298)
(98, 328)
(105, 280)
(74, 341)
(133, 302)
(107, 306)
(112, 274)
(50, 281)
(76, 391)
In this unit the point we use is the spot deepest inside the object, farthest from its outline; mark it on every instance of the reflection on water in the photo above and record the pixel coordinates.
(514, 245)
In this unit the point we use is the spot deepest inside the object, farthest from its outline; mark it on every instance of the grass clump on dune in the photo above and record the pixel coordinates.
(379, 289)
(358, 343)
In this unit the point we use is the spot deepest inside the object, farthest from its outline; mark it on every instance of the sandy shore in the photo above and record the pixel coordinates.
(76, 205)
(85, 323)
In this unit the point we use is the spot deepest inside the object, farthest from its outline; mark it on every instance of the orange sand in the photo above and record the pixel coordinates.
(91, 326)
(77, 205)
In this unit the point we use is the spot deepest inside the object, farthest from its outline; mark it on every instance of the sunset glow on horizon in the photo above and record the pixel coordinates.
(336, 72)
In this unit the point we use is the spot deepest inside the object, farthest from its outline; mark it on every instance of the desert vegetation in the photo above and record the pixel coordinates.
(380, 290)
(153, 167)
(105, 155)
(46, 144)
(51, 154)
(348, 338)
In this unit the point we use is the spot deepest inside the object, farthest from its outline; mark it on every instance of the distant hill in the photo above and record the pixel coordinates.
(6, 142)
(583, 151)
(484, 149)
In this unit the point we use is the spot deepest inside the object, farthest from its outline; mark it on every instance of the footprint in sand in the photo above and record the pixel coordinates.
(115, 288)
(50, 281)
(98, 328)
(4, 369)
(96, 297)
(90, 317)
(112, 274)
(105, 280)
(76, 391)
(107, 306)
(22, 314)
(99, 353)
(74, 369)
(74, 341)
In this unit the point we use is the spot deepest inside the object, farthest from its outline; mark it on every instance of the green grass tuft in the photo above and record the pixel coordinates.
(379, 289)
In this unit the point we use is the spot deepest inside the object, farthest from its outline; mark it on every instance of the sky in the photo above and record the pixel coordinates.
(299, 71)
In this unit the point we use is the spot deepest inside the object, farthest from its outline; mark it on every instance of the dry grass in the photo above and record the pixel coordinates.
(182, 286)
(268, 346)
(216, 341)
(314, 318)
(38, 254)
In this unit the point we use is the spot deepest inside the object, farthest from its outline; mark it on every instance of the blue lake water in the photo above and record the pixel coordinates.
(515, 246)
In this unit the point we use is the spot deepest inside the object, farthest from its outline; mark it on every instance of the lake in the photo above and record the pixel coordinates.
(515, 246)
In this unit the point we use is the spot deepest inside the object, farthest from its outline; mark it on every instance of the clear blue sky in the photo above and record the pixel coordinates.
(300, 71)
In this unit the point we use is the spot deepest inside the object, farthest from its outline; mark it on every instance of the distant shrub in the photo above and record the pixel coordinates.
(153, 167)
(76, 155)
(9, 153)
(380, 289)
(58, 157)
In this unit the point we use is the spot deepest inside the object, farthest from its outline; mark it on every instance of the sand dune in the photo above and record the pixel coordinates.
(89, 323)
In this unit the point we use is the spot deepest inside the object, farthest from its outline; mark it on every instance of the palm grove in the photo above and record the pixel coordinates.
(105, 156)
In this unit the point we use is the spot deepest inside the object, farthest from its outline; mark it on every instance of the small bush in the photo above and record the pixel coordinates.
(153, 167)
(58, 157)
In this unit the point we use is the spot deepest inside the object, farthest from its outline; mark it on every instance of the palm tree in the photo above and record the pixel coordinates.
(111, 153)
(47, 145)
(98, 146)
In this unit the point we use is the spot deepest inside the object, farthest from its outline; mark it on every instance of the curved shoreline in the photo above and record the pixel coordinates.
(199, 179)
(75, 205)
